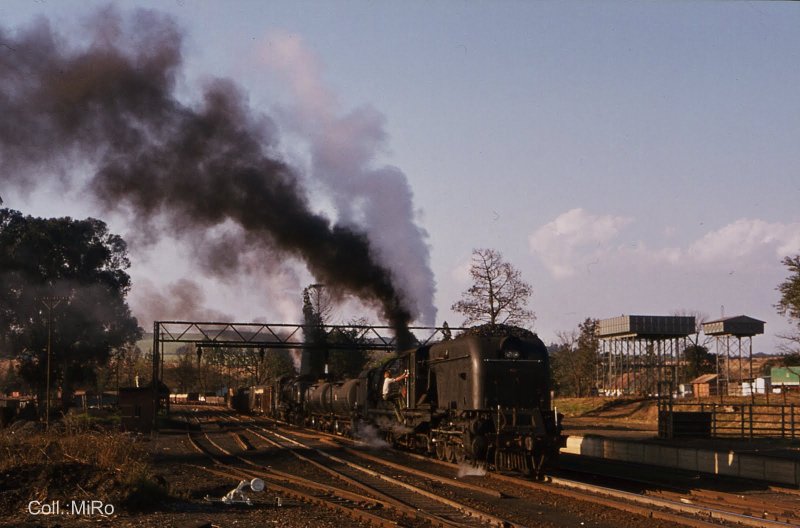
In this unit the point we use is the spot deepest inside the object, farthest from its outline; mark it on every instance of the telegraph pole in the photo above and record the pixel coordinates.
(50, 303)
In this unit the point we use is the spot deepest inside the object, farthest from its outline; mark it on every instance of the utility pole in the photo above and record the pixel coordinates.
(50, 303)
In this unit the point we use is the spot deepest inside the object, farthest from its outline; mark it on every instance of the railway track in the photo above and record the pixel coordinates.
(708, 508)
(402, 495)
(289, 487)
(700, 508)
(755, 507)
(379, 500)
(517, 486)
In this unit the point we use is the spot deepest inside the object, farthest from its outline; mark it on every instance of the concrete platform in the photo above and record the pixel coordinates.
(771, 460)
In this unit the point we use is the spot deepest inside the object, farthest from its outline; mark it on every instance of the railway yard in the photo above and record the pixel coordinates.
(232, 237)
(315, 479)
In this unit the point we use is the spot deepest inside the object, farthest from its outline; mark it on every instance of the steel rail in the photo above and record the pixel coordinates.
(702, 511)
(437, 478)
(355, 513)
(401, 506)
(272, 474)
(741, 504)
(477, 514)
(715, 499)
(588, 495)
(632, 502)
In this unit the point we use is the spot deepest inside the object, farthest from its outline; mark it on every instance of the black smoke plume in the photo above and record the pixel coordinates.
(111, 105)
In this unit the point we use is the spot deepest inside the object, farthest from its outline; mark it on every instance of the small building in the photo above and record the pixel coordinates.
(87, 399)
(785, 376)
(12, 408)
(137, 409)
(756, 386)
(705, 385)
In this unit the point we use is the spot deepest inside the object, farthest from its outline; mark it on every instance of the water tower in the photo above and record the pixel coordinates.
(640, 352)
(732, 335)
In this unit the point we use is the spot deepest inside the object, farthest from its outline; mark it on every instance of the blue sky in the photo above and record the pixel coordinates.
(627, 157)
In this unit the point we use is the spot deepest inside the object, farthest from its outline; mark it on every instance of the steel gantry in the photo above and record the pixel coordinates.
(278, 336)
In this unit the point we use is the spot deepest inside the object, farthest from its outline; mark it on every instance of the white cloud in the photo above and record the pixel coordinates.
(578, 238)
(736, 266)
(575, 238)
(743, 238)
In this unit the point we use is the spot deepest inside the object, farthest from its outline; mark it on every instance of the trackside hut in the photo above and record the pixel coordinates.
(136, 408)
(705, 385)
(785, 376)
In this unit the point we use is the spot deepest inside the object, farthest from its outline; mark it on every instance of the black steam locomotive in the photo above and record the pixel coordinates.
(477, 398)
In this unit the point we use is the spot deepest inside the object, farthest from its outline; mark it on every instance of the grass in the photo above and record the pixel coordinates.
(578, 406)
(76, 460)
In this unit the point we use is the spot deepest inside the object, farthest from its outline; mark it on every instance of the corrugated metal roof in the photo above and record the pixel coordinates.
(739, 326)
(785, 375)
(653, 326)
(705, 378)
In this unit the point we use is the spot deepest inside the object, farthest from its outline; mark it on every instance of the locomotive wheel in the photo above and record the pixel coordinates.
(452, 453)
(440, 450)
(429, 445)
(534, 464)
(529, 466)
(500, 462)
(460, 455)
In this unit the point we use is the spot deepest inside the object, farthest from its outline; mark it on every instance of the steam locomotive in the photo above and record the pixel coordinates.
(485, 399)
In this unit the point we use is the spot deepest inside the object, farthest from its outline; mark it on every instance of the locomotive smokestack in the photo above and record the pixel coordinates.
(197, 168)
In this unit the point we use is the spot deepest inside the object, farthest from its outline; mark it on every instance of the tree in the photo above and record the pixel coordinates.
(498, 294)
(696, 356)
(316, 356)
(277, 362)
(83, 265)
(698, 361)
(574, 361)
(182, 374)
(789, 304)
(347, 362)
(699, 319)
(791, 359)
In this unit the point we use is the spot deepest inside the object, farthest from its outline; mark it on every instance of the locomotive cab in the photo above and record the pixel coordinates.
(509, 372)
(494, 394)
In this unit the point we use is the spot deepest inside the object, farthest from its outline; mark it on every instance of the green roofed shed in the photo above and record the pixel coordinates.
(785, 375)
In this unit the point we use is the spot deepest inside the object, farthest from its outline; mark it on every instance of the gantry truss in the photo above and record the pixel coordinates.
(271, 335)
(268, 336)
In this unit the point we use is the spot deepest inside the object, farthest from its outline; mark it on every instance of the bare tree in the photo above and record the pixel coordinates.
(321, 301)
(498, 294)
(699, 319)
(697, 360)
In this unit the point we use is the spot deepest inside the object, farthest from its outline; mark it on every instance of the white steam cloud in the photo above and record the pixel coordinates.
(342, 147)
